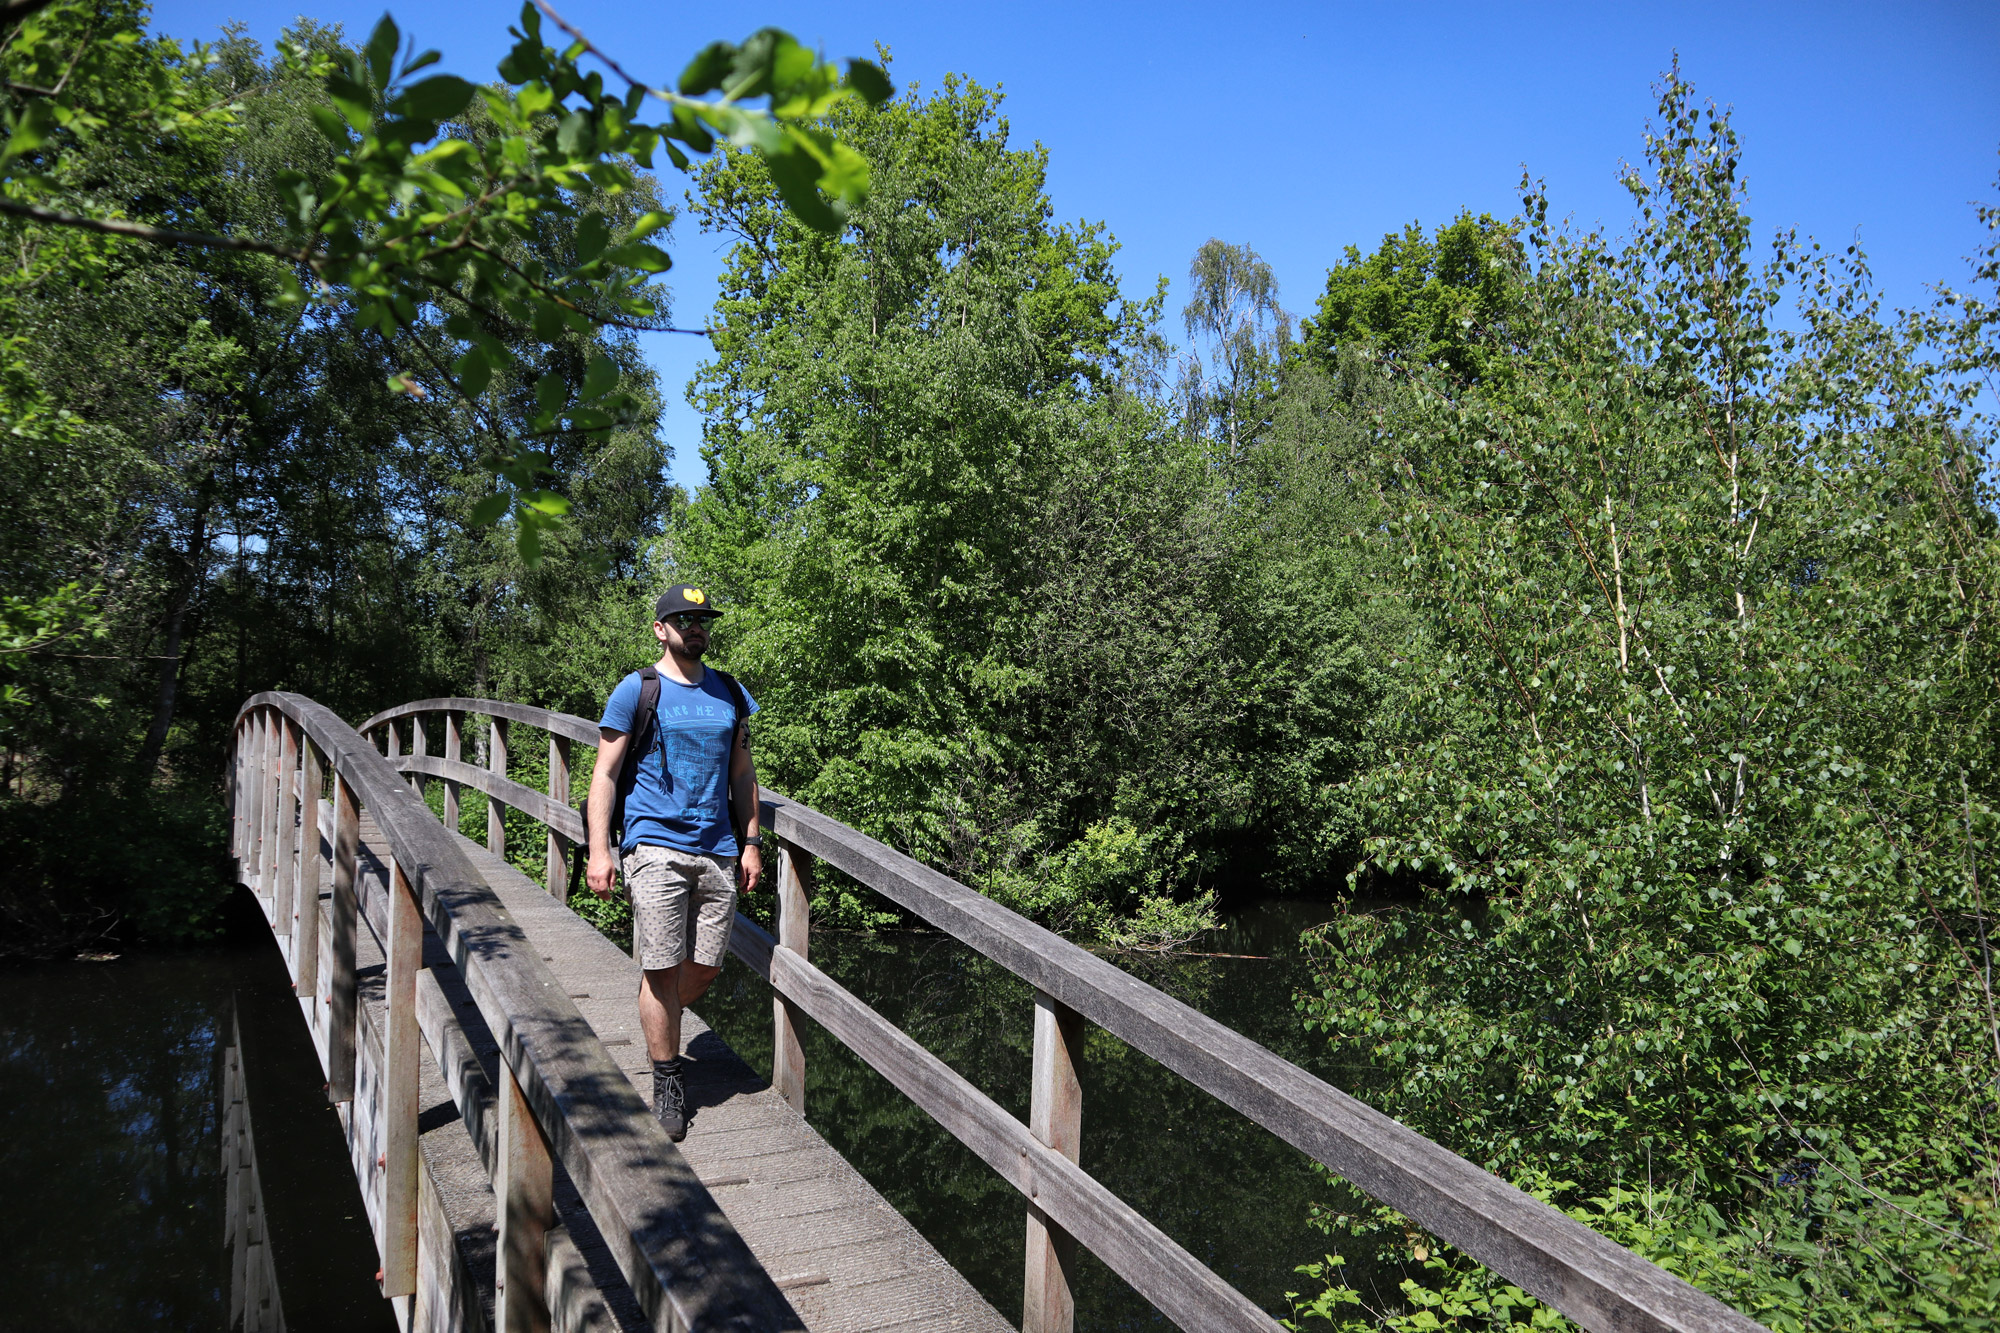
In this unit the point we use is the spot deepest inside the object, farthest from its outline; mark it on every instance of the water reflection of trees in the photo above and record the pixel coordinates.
(111, 1083)
(107, 1111)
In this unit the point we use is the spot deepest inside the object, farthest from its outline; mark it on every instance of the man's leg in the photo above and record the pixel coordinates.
(659, 927)
(711, 917)
(661, 995)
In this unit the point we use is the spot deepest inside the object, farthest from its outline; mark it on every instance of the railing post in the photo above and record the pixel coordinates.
(239, 804)
(526, 1190)
(496, 823)
(260, 799)
(236, 793)
(305, 901)
(274, 800)
(392, 744)
(285, 878)
(401, 1054)
(1055, 1116)
(454, 748)
(419, 745)
(788, 1057)
(558, 791)
(340, 995)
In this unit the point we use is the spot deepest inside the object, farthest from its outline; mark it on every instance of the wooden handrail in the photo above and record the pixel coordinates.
(569, 725)
(682, 1258)
(1586, 1276)
(1179, 1285)
(1579, 1272)
(562, 818)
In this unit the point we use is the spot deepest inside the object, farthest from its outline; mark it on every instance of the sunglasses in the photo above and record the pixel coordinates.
(685, 619)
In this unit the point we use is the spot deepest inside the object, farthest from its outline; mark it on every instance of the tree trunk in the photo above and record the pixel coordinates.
(196, 561)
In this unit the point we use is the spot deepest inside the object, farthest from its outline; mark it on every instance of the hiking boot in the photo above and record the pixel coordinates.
(670, 1098)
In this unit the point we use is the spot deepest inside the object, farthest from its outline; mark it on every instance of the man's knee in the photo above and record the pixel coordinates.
(695, 979)
(664, 983)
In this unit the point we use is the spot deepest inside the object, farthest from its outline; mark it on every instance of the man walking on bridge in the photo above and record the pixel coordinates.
(673, 763)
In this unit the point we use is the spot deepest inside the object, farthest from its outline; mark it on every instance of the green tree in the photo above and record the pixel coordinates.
(1234, 313)
(406, 221)
(1693, 750)
(971, 575)
(1306, 646)
(252, 494)
(1441, 299)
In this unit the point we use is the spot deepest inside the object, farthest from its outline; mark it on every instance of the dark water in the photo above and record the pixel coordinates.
(1233, 1194)
(110, 1146)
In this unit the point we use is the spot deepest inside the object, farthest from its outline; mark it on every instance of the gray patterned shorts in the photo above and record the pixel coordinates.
(683, 905)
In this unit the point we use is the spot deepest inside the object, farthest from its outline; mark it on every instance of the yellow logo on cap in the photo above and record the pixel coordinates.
(696, 596)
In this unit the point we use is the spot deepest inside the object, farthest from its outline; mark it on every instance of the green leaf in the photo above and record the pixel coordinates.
(331, 125)
(790, 63)
(868, 79)
(547, 502)
(689, 129)
(601, 378)
(434, 99)
(546, 318)
(488, 511)
(845, 173)
(32, 130)
(536, 98)
(356, 103)
(527, 62)
(381, 50)
(707, 70)
(574, 135)
(648, 223)
(473, 372)
(592, 235)
(646, 258)
(529, 541)
(751, 74)
(550, 392)
(796, 174)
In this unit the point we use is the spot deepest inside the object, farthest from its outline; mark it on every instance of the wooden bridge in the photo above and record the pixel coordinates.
(480, 1042)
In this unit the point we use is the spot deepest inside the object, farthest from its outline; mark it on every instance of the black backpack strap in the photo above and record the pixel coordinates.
(742, 706)
(736, 696)
(645, 720)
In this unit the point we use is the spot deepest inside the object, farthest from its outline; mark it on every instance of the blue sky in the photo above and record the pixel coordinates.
(1300, 129)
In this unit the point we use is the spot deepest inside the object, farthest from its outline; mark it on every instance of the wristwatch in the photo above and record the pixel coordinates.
(757, 842)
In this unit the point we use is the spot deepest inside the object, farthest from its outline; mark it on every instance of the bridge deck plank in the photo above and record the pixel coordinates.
(804, 1211)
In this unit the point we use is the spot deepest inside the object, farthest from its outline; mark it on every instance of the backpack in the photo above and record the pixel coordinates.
(645, 733)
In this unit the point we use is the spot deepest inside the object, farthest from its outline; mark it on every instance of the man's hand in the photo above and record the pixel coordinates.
(600, 873)
(750, 868)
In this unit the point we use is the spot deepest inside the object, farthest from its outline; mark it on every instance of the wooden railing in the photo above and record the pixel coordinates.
(559, 1095)
(1600, 1285)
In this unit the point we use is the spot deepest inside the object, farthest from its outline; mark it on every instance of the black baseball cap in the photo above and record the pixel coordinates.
(680, 599)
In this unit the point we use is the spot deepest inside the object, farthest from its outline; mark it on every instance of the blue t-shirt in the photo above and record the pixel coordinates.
(680, 794)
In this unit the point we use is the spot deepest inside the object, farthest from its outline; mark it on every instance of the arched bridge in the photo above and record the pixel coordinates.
(432, 975)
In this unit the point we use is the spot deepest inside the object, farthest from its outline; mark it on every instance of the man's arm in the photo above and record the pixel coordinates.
(743, 796)
(603, 795)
